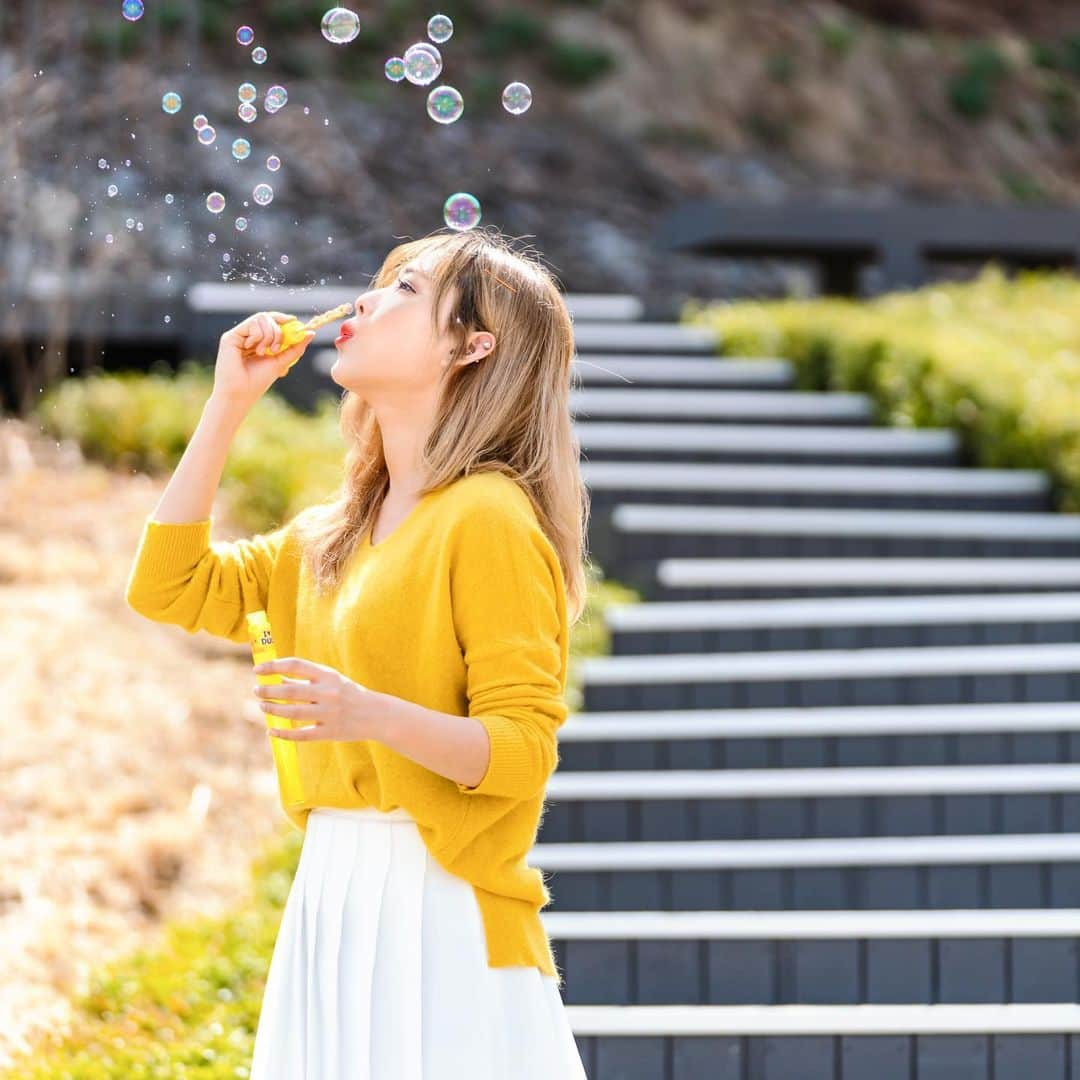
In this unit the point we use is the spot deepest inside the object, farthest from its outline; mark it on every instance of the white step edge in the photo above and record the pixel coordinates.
(843, 611)
(883, 480)
(650, 336)
(744, 1020)
(618, 367)
(778, 438)
(596, 401)
(837, 782)
(213, 296)
(832, 851)
(815, 722)
(815, 521)
(751, 573)
(919, 661)
(800, 925)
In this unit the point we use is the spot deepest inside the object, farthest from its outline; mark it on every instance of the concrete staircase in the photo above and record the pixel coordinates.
(818, 818)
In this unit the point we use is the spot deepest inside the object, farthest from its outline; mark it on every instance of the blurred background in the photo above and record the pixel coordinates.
(820, 256)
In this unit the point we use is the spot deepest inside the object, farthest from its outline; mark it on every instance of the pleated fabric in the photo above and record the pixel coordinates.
(379, 971)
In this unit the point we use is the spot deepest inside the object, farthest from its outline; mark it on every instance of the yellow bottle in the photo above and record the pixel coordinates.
(285, 759)
(293, 331)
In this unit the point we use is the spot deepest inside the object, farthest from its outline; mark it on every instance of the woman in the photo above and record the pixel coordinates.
(422, 616)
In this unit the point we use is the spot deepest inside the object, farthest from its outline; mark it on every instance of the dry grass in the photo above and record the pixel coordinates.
(134, 790)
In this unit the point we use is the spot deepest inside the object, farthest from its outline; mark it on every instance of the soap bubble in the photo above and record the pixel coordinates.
(241, 223)
(199, 122)
(212, 237)
(340, 25)
(423, 63)
(138, 226)
(130, 223)
(276, 97)
(168, 318)
(445, 105)
(516, 98)
(247, 112)
(440, 28)
(395, 69)
(461, 211)
(102, 163)
(273, 163)
(246, 91)
(215, 202)
(108, 238)
(132, 9)
(169, 200)
(259, 54)
(112, 190)
(241, 148)
(171, 102)
(245, 35)
(284, 260)
(207, 135)
(263, 194)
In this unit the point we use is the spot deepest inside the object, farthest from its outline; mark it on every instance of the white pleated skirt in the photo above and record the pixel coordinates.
(379, 971)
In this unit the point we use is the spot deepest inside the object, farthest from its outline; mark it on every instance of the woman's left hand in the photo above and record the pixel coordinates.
(333, 705)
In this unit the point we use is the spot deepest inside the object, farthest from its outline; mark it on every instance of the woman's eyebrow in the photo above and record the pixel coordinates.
(415, 270)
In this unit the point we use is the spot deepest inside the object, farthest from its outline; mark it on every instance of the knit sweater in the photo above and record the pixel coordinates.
(462, 609)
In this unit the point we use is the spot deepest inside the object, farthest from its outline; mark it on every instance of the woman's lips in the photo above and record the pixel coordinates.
(346, 333)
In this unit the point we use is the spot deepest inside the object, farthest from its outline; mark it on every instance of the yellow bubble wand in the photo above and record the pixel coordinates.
(293, 331)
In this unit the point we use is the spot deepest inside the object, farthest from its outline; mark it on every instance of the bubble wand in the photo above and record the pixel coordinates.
(293, 331)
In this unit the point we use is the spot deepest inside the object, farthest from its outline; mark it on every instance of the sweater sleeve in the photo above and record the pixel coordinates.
(179, 576)
(509, 611)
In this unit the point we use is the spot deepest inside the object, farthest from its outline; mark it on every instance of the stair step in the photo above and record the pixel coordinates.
(644, 337)
(612, 482)
(794, 407)
(658, 370)
(785, 738)
(1024, 870)
(816, 958)
(657, 628)
(604, 307)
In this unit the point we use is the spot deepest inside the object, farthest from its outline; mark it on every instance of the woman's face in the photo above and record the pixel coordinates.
(388, 342)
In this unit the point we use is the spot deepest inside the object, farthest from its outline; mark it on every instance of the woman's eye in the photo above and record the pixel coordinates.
(407, 286)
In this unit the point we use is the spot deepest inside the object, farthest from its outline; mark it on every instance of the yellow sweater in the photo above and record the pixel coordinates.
(462, 608)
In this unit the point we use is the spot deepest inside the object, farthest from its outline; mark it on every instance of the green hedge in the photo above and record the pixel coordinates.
(996, 359)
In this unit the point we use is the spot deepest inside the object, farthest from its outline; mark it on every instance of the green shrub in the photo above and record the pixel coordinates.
(998, 361)
(971, 90)
(577, 64)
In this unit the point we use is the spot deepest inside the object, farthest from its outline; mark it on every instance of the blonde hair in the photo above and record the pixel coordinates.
(508, 412)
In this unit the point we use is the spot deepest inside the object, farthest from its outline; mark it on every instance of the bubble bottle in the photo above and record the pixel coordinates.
(293, 331)
(285, 759)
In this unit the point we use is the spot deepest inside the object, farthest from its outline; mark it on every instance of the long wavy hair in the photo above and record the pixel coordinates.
(508, 413)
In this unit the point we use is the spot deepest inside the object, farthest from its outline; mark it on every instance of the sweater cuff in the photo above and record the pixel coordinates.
(511, 766)
(166, 546)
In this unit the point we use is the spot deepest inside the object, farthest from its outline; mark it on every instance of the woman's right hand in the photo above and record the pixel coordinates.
(244, 370)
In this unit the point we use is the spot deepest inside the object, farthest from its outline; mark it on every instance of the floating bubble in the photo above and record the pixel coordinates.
(247, 112)
(340, 25)
(112, 190)
(199, 122)
(461, 211)
(226, 257)
(171, 102)
(241, 148)
(241, 223)
(395, 69)
(259, 54)
(445, 104)
(276, 97)
(212, 237)
(273, 163)
(168, 200)
(516, 98)
(245, 35)
(440, 28)
(284, 260)
(132, 9)
(423, 63)
(246, 91)
(168, 318)
(215, 202)
(207, 135)
(130, 223)
(263, 194)
(138, 226)
(307, 109)
(102, 163)
(108, 238)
